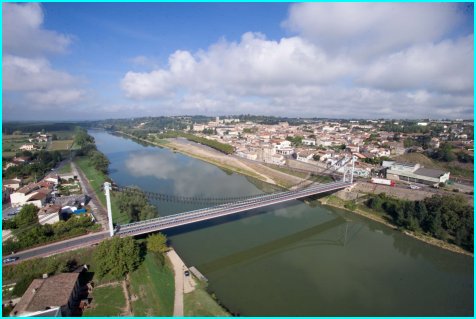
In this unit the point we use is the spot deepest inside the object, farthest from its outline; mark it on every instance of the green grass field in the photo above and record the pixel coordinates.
(153, 284)
(60, 145)
(96, 179)
(64, 135)
(199, 303)
(107, 301)
(65, 169)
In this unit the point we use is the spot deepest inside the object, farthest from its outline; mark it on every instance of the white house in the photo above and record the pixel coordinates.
(27, 147)
(305, 156)
(309, 142)
(198, 127)
(277, 159)
(32, 193)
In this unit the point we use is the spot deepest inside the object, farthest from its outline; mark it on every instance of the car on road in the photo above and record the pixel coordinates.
(186, 273)
(414, 186)
(10, 260)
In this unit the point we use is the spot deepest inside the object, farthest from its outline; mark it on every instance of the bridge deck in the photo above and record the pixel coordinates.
(185, 218)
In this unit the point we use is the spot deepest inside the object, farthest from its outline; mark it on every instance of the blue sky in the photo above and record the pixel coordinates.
(90, 61)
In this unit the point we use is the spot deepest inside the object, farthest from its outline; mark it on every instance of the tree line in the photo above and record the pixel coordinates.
(446, 217)
(88, 148)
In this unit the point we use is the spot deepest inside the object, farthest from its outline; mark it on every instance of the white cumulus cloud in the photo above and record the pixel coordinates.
(367, 29)
(446, 66)
(252, 64)
(27, 69)
(23, 33)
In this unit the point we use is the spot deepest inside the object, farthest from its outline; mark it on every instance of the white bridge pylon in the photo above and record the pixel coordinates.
(107, 190)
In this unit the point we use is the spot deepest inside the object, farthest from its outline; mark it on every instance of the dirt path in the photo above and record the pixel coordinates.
(128, 310)
(178, 270)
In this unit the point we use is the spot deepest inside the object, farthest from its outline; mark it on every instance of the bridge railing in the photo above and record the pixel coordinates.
(212, 210)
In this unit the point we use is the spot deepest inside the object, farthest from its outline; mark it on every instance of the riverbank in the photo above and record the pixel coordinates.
(334, 201)
(228, 162)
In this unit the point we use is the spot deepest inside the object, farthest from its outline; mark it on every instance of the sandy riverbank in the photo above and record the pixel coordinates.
(427, 239)
(206, 154)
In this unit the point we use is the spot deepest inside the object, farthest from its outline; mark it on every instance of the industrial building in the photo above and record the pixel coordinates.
(415, 173)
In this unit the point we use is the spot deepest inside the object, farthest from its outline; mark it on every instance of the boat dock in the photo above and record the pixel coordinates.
(198, 274)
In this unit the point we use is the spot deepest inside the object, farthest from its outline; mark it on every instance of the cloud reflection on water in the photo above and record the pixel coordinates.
(189, 177)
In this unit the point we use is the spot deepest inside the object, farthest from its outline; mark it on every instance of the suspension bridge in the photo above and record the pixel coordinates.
(230, 205)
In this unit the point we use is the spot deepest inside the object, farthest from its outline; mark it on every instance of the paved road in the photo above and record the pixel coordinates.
(99, 213)
(62, 246)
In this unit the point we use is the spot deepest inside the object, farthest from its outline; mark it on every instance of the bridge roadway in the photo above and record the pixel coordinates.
(156, 224)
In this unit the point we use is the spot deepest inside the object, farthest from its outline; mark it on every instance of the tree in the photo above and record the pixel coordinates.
(135, 205)
(436, 228)
(27, 216)
(116, 257)
(421, 212)
(148, 212)
(157, 243)
(444, 153)
(316, 157)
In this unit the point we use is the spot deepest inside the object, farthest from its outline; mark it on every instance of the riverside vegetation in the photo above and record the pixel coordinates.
(445, 221)
(448, 218)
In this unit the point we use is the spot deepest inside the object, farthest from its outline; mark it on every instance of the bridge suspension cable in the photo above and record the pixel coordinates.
(222, 200)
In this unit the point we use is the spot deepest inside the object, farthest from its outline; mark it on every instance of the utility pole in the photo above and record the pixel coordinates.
(107, 188)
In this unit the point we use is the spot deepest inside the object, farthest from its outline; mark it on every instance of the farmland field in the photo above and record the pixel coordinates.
(60, 145)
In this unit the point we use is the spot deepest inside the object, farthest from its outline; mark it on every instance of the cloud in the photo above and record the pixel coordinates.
(367, 29)
(142, 60)
(57, 97)
(30, 81)
(445, 67)
(296, 77)
(26, 74)
(24, 35)
(241, 68)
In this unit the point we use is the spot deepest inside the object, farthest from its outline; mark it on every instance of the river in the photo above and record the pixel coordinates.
(294, 259)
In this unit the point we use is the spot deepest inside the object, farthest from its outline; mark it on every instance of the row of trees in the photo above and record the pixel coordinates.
(29, 232)
(88, 148)
(447, 217)
(82, 138)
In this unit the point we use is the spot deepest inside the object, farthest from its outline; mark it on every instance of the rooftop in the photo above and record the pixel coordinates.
(430, 172)
(47, 293)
